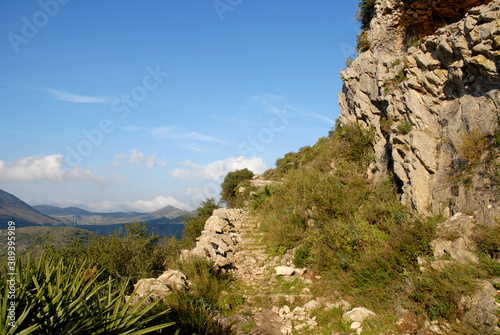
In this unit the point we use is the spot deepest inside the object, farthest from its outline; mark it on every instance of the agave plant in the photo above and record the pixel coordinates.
(54, 298)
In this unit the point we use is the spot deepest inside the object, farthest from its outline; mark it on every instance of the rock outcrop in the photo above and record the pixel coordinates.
(424, 100)
(218, 237)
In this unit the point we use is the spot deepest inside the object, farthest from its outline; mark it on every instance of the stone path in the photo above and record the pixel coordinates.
(275, 297)
(261, 287)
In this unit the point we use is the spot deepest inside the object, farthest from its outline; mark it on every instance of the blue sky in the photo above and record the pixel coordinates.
(135, 105)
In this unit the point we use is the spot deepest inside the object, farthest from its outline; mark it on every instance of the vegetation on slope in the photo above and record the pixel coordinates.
(357, 234)
(35, 239)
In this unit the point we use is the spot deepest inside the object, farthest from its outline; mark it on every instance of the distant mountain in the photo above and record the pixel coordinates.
(54, 210)
(14, 209)
(75, 216)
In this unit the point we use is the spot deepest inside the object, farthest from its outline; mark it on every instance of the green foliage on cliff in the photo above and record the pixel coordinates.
(365, 13)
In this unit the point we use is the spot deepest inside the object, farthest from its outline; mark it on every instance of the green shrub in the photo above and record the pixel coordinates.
(363, 41)
(231, 183)
(261, 197)
(53, 297)
(391, 84)
(194, 225)
(404, 127)
(133, 256)
(302, 256)
(386, 124)
(194, 311)
(349, 61)
(488, 240)
(289, 162)
(437, 293)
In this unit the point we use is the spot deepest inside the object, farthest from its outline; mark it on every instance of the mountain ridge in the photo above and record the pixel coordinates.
(75, 216)
(14, 209)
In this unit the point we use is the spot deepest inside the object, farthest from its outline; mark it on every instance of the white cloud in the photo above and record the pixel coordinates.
(197, 195)
(143, 206)
(218, 169)
(168, 132)
(137, 158)
(49, 167)
(70, 97)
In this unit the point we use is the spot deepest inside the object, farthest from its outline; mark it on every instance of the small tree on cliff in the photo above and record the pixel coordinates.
(231, 182)
(365, 13)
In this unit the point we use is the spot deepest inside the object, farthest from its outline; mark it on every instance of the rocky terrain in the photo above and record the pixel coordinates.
(278, 298)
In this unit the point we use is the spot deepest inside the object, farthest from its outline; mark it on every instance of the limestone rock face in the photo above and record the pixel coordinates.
(456, 239)
(483, 309)
(422, 101)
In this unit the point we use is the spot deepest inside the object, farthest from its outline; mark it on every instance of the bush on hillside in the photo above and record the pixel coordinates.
(193, 311)
(363, 41)
(231, 183)
(133, 256)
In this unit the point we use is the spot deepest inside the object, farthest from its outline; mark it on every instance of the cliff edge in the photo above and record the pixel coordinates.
(434, 103)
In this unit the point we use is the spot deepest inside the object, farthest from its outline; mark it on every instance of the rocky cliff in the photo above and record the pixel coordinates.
(433, 98)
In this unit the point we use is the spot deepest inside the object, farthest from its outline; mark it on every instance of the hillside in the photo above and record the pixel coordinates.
(396, 212)
(34, 239)
(14, 209)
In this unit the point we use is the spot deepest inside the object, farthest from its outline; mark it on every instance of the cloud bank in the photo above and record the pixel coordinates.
(49, 168)
(218, 169)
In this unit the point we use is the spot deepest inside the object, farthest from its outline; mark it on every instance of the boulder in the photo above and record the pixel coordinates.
(158, 288)
(284, 270)
(313, 304)
(174, 279)
(358, 314)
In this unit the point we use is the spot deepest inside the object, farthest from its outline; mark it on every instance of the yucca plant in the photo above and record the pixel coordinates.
(55, 298)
